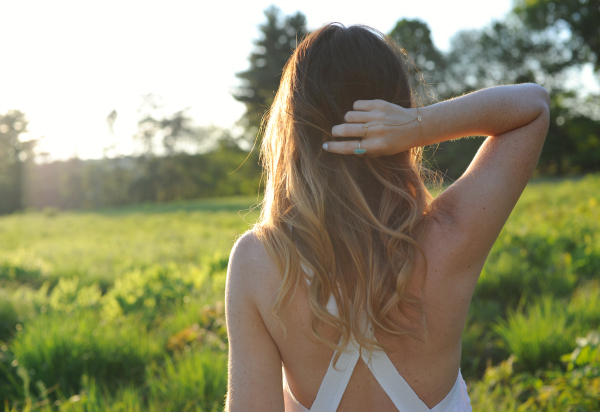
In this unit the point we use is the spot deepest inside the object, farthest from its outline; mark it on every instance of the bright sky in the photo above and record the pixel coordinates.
(68, 64)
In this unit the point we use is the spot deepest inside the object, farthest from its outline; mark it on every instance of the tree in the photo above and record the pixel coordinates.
(13, 154)
(279, 38)
(171, 129)
(507, 52)
(581, 18)
(426, 63)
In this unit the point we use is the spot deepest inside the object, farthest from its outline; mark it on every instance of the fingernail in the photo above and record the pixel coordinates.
(325, 146)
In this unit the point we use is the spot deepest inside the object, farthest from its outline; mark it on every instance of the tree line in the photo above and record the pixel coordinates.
(542, 41)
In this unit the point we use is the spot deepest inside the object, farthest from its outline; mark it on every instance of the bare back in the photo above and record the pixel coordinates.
(467, 220)
(424, 366)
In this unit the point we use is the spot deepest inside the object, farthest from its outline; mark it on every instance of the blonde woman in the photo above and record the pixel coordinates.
(352, 290)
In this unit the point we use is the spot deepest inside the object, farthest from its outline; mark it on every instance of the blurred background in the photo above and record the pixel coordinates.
(122, 102)
(129, 163)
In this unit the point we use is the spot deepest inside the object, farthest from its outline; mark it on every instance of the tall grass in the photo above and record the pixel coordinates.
(61, 349)
(121, 309)
(188, 381)
(540, 335)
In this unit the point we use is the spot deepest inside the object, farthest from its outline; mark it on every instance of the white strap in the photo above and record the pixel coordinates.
(451, 400)
(336, 379)
(396, 387)
(400, 392)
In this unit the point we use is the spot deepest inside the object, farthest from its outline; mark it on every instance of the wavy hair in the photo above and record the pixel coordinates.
(346, 223)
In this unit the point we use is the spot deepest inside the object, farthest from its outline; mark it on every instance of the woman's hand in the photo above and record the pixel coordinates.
(382, 128)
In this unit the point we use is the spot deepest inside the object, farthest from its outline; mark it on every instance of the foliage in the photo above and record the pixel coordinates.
(527, 46)
(575, 389)
(188, 380)
(171, 128)
(14, 152)
(539, 337)
(580, 17)
(155, 290)
(506, 52)
(76, 184)
(101, 246)
(60, 349)
(279, 37)
(584, 307)
(551, 251)
(75, 290)
(121, 309)
(174, 133)
(573, 142)
(542, 41)
(426, 63)
(9, 318)
(68, 297)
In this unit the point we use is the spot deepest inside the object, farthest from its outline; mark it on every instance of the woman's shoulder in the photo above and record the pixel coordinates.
(251, 269)
(247, 244)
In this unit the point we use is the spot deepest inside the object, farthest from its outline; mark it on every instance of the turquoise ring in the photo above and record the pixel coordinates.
(360, 150)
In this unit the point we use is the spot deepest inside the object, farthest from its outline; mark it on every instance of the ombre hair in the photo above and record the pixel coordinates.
(347, 223)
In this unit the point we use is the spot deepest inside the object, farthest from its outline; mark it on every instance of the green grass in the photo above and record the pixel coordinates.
(188, 381)
(539, 336)
(99, 247)
(121, 309)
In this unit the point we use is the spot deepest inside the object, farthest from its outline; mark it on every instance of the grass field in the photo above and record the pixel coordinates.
(121, 309)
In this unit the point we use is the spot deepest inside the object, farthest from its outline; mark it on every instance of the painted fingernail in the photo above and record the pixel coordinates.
(325, 146)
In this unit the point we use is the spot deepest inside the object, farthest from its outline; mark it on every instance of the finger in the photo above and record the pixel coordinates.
(367, 105)
(348, 130)
(347, 147)
(357, 130)
(364, 117)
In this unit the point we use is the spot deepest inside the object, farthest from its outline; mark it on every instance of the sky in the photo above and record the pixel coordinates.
(68, 63)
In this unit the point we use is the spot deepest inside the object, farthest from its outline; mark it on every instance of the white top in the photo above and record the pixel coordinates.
(402, 395)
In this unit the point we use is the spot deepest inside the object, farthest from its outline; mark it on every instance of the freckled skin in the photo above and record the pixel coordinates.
(467, 220)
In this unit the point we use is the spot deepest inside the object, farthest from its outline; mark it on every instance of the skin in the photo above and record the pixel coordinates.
(467, 219)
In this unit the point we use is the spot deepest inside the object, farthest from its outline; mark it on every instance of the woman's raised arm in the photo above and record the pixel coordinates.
(393, 129)
(477, 205)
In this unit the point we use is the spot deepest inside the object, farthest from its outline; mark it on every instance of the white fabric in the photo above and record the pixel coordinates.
(402, 395)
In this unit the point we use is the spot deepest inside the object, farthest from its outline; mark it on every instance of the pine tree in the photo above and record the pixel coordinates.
(279, 37)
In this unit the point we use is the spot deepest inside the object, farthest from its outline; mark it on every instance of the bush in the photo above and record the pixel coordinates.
(584, 307)
(524, 266)
(191, 380)
(193, 325)
(18, 306)
(576, 389)
(540, 336)
(160, 289)
(9, 317)
(68, 296)
(61, 349)
(92, 398)
(23, 268)
(152, 291)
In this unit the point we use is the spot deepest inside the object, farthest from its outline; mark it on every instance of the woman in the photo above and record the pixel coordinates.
(354, 278)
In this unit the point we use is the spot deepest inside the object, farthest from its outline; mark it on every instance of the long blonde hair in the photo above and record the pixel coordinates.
(347, 222)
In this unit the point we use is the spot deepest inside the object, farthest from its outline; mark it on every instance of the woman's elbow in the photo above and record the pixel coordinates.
(542, 97)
